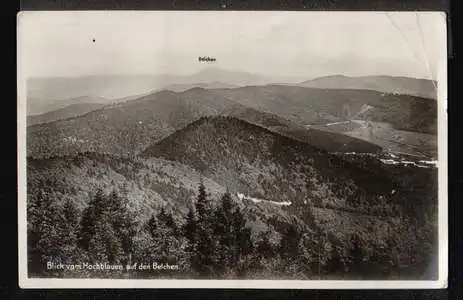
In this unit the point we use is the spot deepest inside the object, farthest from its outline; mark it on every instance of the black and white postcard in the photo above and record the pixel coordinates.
(207, 149)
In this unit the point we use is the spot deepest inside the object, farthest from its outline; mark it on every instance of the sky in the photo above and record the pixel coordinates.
(293, 44)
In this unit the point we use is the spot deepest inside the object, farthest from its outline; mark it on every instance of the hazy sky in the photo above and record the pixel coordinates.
(301, 44)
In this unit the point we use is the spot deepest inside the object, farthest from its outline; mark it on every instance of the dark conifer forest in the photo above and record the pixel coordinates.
(216, 236)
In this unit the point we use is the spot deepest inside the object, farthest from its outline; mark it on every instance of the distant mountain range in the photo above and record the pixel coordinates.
(72, 110)
(43, 92)
(36, 107)
(386, 84)
(128, 127)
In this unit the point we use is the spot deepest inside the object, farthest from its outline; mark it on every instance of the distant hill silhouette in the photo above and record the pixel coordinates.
(386, 84)
(316, 106)
(72, 110)
(41, 92)
(39, 106)
(208, 85)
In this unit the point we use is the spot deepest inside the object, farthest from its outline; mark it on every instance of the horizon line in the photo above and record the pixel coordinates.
(309, 78)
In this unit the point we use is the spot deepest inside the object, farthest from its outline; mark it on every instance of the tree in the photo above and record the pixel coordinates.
(356, 255)
(203, 205)
(152, 225)
(167, 219)
(289, 244)
(97, 243)
(34, 204)
(107, 229)
(160, 244)
(69, 232)
(203, 261)
(122, 222)
(46, 233)
(335, 264)
(190, 231)
(265, 249)
(223, 231)
(242, 236)
(91, 214)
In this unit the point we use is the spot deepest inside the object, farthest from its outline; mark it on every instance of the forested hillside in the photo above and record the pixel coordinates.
(320, 106)
(174, 208)
(129, 127)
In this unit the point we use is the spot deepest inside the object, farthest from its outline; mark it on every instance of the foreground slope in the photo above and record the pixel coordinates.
(393, 244)
(149, 185)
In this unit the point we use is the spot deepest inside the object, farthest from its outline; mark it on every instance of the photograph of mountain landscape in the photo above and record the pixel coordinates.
(305, 148)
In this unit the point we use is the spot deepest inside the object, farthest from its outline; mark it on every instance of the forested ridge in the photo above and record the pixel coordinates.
(130, 127)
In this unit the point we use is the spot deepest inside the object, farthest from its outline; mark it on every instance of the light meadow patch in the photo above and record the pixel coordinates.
(224, 150)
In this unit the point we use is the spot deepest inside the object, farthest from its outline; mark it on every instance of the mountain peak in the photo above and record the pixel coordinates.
(231, 149)
(196, 89)
(214, 71)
